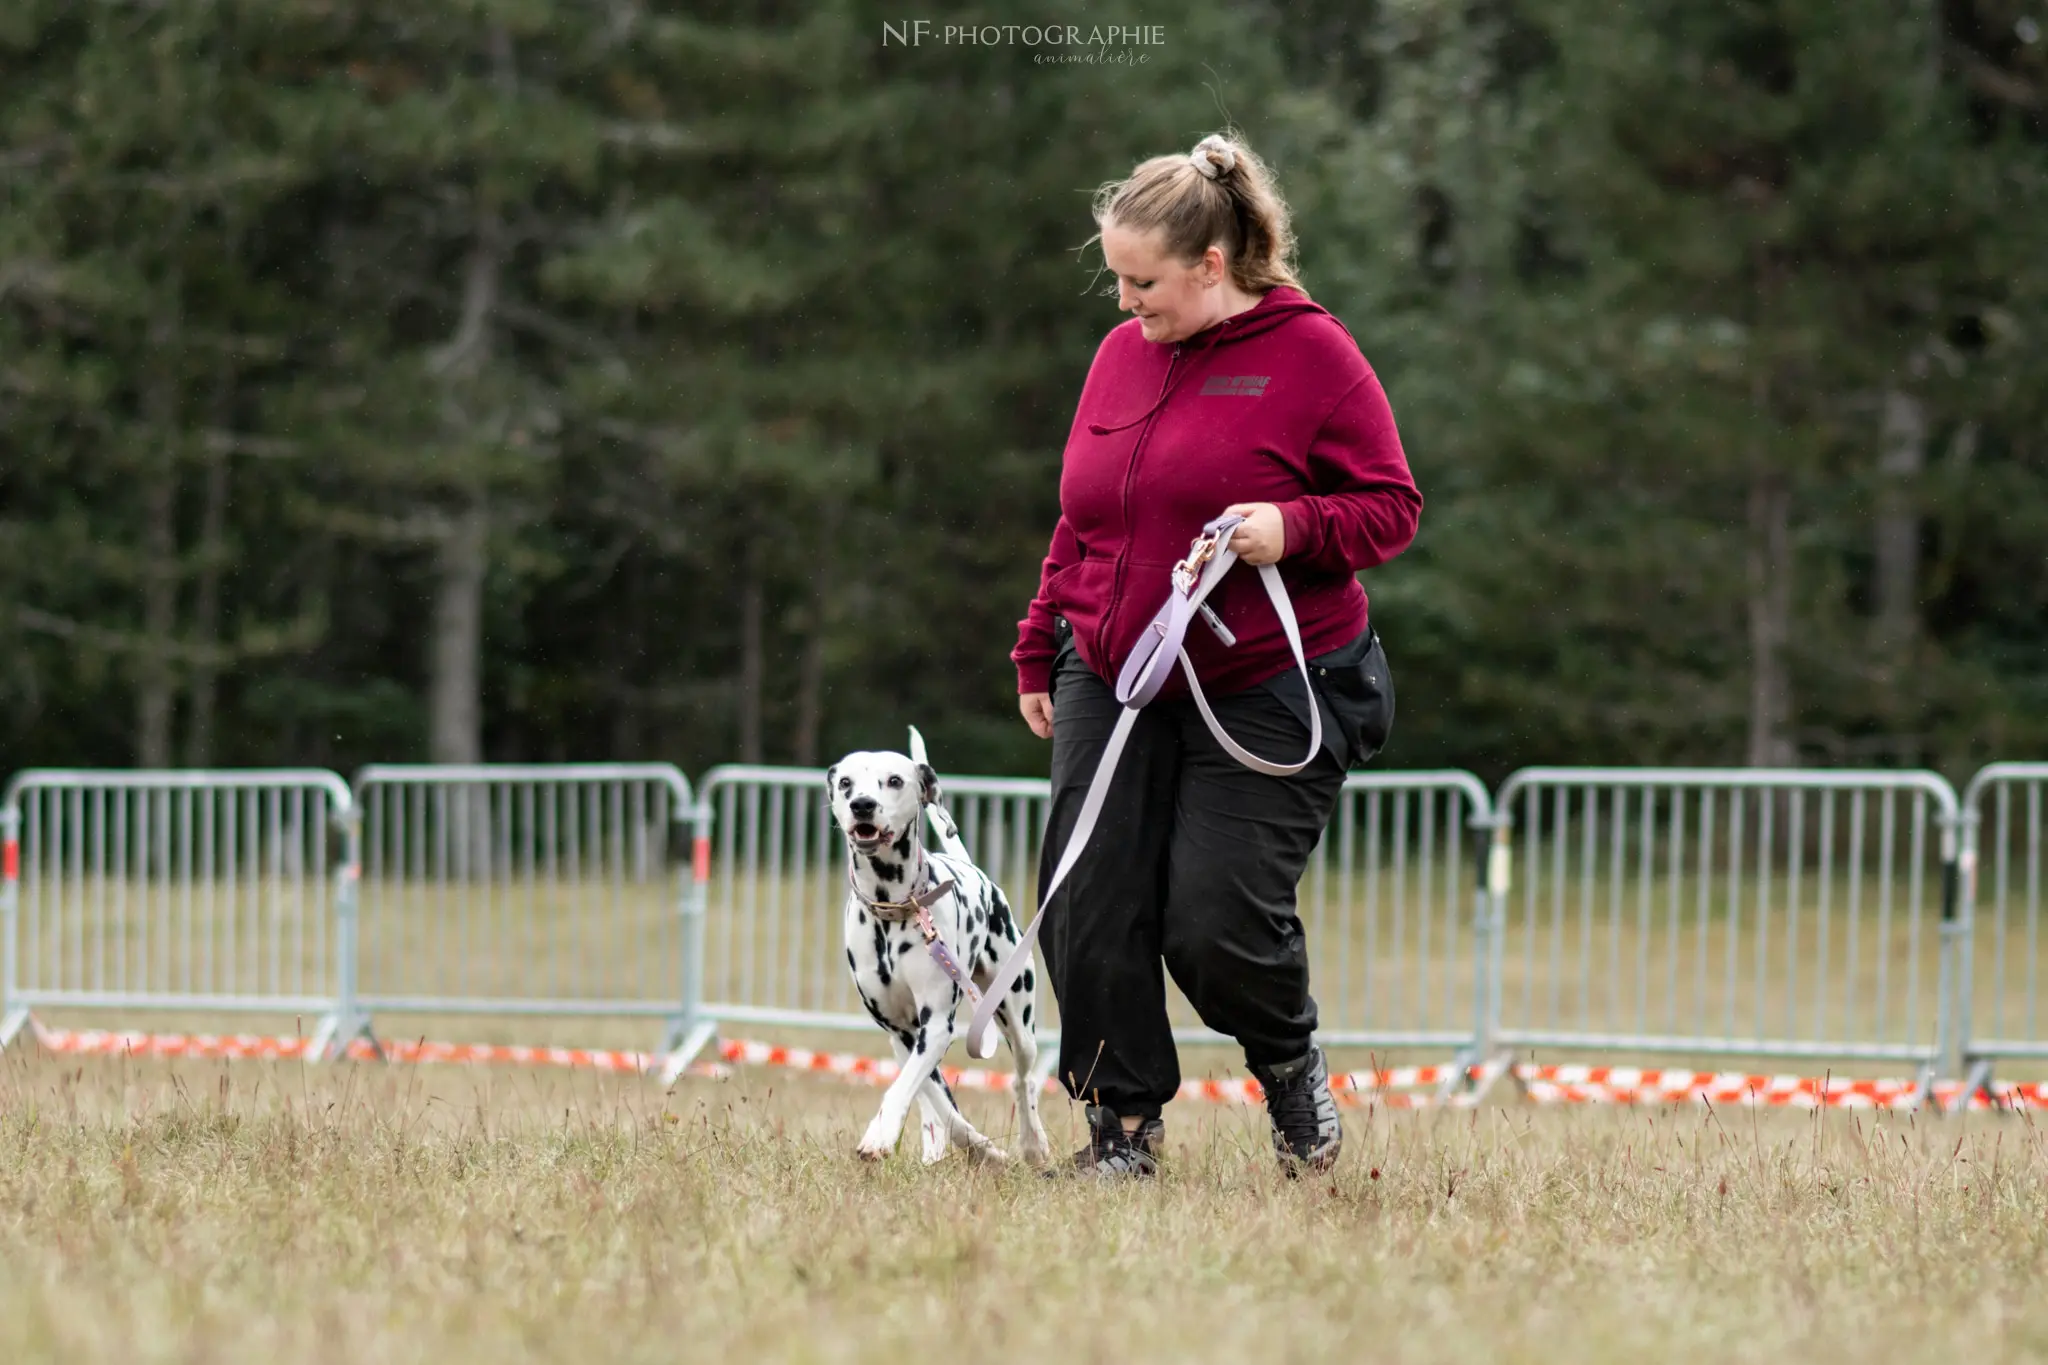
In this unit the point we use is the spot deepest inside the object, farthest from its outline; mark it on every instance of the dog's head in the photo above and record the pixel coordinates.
(879, 797)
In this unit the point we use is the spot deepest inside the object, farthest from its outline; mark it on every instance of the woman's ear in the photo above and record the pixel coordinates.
(928, 783)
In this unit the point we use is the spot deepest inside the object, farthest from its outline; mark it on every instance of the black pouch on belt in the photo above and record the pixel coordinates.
(1356, 692)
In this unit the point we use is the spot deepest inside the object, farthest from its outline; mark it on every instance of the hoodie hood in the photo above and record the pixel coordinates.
(1281, 305)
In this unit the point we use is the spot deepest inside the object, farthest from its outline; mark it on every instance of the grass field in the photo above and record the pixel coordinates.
(250, 1212)
(245, 1211)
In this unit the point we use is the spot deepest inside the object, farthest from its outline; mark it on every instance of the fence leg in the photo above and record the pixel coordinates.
(1480, 1055)
(1976, 1073)
(13, 1017)
(689, 1033)
(1473, 1053)
(1925, 1096)
(1951, 1044)
(347, 1023)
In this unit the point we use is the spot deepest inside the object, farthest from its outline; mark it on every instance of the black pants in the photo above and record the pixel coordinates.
(1194, 862)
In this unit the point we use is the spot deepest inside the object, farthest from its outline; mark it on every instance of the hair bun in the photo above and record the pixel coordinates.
(1213, 156)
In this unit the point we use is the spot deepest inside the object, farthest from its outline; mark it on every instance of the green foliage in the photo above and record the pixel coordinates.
(751, 342)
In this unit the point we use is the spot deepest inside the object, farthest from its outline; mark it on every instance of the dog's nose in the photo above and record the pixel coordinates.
(863, 807)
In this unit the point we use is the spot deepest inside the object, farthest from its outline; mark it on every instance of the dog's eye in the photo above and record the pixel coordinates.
(846, 784)
(896, 782)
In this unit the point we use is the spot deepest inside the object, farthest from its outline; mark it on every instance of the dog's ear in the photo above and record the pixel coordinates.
(928, 783)
(831, 773)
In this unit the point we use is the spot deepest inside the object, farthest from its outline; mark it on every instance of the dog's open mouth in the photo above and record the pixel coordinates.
(867, 835)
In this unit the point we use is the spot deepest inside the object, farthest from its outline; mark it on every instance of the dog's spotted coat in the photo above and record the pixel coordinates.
(878, 801)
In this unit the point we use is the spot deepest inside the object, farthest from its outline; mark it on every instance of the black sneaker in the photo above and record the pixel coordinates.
(1112, 1153)
(1306, 1128)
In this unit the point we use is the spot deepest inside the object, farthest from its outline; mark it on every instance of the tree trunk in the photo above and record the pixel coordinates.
(206, 616)
(155, 681)
(810, 682)
(462, 553)
(810, 692)
(456, 715)
(1770, 620)
(753, 667)
(628, 645)
(1902, 455)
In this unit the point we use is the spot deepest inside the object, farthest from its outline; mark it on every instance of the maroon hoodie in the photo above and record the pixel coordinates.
(1275, 404)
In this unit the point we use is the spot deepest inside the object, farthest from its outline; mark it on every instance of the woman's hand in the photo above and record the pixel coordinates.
(1261, 538)
(1037, 709)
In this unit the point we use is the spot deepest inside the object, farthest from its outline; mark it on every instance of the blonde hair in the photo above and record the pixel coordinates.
(1220, 193)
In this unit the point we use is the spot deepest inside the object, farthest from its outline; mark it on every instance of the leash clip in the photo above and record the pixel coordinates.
(1201, 550)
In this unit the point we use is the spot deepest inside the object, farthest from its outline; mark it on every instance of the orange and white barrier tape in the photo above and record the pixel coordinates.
(1394, 1087)
(247, 1047)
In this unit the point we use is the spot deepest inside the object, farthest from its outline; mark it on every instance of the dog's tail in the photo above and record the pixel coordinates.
(943, 829)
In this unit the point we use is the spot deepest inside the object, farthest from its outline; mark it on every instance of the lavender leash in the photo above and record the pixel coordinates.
(1144, 673)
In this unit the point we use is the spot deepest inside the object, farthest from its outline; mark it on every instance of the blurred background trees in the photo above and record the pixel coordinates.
(548, 379)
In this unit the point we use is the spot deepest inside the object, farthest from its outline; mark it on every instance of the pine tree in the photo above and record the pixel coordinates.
(135, 340)
(1677, 285)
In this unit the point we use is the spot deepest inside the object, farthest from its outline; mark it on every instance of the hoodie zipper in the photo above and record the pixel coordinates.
(1106, 631)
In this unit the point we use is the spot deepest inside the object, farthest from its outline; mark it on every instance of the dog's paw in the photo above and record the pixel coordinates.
(1035, 1147)
(876, 1143)
(986, 1153)
(935, 1143)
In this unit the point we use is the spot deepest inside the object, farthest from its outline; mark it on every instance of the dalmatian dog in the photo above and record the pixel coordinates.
(878, 800)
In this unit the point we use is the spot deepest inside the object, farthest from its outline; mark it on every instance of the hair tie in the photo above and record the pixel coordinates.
(1199, 158)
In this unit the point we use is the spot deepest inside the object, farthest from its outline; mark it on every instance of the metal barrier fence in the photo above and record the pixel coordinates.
(1830, 915)
(510, 890)
(2003, 856)
(199, 891)
(1383, 901)
(1727, 911)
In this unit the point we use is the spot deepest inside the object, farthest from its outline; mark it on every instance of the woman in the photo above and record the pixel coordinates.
(1231, 390)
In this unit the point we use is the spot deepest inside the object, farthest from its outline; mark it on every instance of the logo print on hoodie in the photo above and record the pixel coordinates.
(1235, 385)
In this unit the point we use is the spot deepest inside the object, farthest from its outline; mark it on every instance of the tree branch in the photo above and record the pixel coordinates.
(1987, 78)
(260, 642)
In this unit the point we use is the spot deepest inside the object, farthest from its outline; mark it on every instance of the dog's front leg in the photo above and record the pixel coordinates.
(914, 1056)
(936, 1126)
(926, 1046)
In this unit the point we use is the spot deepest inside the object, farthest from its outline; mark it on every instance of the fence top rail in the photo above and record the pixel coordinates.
(1428, 779)
(2001, 772)
(184, 779)
(1771, 779)
(768, 775)
(754, 774)
(483, 774)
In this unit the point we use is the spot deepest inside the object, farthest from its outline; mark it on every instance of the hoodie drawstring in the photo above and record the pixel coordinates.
(1100, 430)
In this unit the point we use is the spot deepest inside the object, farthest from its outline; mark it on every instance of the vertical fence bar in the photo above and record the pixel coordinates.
(348, 876)
(1795, 901)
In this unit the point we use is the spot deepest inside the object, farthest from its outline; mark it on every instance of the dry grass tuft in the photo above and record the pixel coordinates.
(240, 1212)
